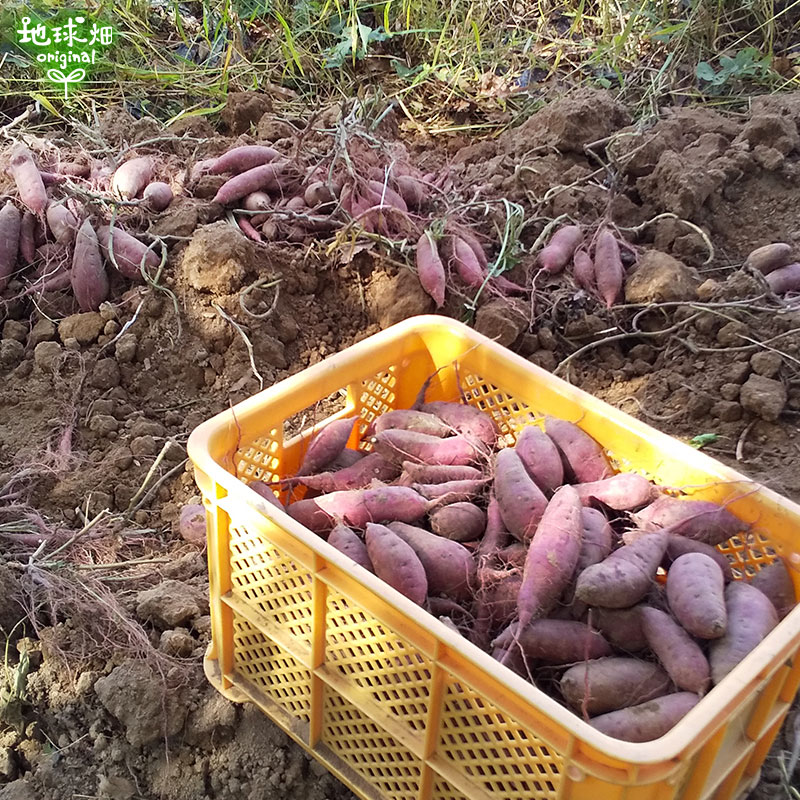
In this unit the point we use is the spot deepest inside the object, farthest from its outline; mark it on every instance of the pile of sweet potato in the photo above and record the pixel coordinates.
(600, 587)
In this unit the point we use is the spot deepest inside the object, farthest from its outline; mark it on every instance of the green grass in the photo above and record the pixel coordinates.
(469, 63)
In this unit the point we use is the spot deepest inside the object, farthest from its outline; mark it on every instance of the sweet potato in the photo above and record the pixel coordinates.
(609, 273)
(608, 684)
(62, 223)
(272, 177)
(88, 277)
(678, 653)
(400, 445)
(27, 238)
(497, 595)
(558, 252)
(10, 223)
(347, 541)
(552, 556)
(449, 567)
(521, 501)
(495, 535)
(541, 458)
(620, 626)
(347, 458)
(623, 579)
(512, 555)
(583, 455)
(75, 169)
(326, 446)
(450, 491)
(465, 419)
(775, 582)
(647, 721)
(131, 177)
(396, 563)
(696, 519)
(461, 522)
(28, 179)
(770, 257)
(430, 269)
(264, 490)
(257, 201)
(411, 190)
(695, 591)
(466, 264)
(624, 491)
(440, 473)
(583, 270)
(241, 159)
(751, 616)
(785, 279)
(410, 419)
(360, 475)
(129, 252)
(158, 195)
(318, 194)
(679, 545)
(381, 194)
(246, 227)
(555, 641)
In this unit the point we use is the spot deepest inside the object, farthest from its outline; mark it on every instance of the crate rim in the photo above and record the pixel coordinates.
(749, 673)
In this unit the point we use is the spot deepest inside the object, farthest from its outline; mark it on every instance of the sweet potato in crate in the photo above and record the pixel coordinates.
(390, 699)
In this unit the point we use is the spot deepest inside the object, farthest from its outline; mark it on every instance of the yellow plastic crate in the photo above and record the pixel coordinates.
(394, 703)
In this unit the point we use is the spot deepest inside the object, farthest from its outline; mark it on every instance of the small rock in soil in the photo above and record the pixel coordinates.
(726, 410)
(143, 446)
(730, 334)
(243, 109)
(766, 363)
(764, 397)
(168, 605)
(42, 331)
(15, 330)
(737, 371)
(47, 355)
(83, 327)
(660, 278)
(177, 642)
(11, 353)
(125, 348)
(729, 391)
(136, 696)
(392, 298)
(105, 374)
(501, 320)
(18, 790)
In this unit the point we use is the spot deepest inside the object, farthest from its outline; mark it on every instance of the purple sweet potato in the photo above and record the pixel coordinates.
(625, 491)
(495, 537)
(696, 519)
(440, 473)
(430, 269)
(609, 273)
(10, 223)
(348, 542)
(679, 545)
(775, 582)
(326, 446)
(555, 641)
(359, 475)
(695, 591)
(598, 538)
(412, 420)
(62, 223)
(129, 252)
(621, 626)
(448, 565)
(401, 445)
(552, 556)
(497, 595)
(465, 419)
(751, 616)
(395, 562)
(450, 491)
(608, 684)
(583, 455)
(770, 257)
(241, 159)
(623, 579)
(521, 501)
(461, 522)
(192, 524)
(466, 263)
(541, 458)
(347, 458)
(558, 252)
(158, 195)
(647, 721)
(88, 277)
(131, 177)
(785, 279)
(264, 490)
(272, 177)
(27, 238)
(583, 271)
(28, 179)
(679, 654)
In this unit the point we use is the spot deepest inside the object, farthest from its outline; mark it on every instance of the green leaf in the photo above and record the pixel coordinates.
(705, 71)
(702, 439)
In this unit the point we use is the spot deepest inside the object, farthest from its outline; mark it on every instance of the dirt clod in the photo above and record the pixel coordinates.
(105, 374)
(243, 109)
(11, 353)
(84, 327)
(660, 278)
(169, 604)
(764, 397)
(501, 320)
(47, 355)
(15, 330)
(216, 259)
(392, 298)
(766, 363)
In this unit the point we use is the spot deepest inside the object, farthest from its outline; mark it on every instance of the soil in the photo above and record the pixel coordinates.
(90, 402)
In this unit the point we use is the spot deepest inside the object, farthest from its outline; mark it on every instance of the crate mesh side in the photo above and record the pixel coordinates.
(258, 460)
(270, 669)
(271, 582)
(444, 790)
(748, 553)
(377, 397)
(510, 414)
(493, 750)
(374, 658)
(371, 752)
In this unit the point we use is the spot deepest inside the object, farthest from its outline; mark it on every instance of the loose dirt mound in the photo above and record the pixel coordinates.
(90, 402)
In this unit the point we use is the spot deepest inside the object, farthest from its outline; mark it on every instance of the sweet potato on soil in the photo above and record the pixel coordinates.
(129, 252)
(10, 223)
(131, 177)
(679, 654)
(27, 238)
(785, 279)
(88, 277)
(751, 616)
(770, 257)
(466, 263)
(395, 562)
(623, 579)
(608, 684)
(241, 159)
(158, 195)
(62, 223)
(583, 455)
(28, 179)
(696, 519)
(558, 252)
(648, 721)
(609, 273)
(430, 269)
(583, 271)
(272, 177)
(555, 641)
(776, 583)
